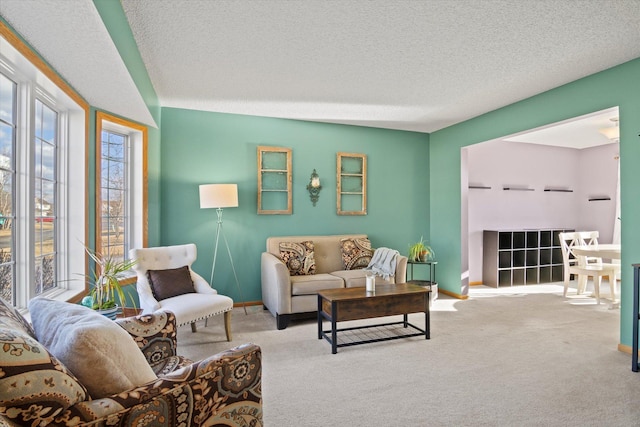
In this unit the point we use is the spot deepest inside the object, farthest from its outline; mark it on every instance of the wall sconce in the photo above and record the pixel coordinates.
(314, 187)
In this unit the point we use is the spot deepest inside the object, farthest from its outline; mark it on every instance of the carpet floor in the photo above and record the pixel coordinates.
(522, 356)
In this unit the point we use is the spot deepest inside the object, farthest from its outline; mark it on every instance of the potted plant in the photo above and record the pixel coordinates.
(106, 285)
(420, 251)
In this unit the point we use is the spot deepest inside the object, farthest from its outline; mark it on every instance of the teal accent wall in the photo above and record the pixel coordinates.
(618, 86)
(203, 148)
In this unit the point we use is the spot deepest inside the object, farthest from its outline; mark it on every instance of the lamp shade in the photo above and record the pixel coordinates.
(218, 196)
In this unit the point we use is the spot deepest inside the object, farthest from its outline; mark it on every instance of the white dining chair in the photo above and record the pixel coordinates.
(590, 238)
(585, 267)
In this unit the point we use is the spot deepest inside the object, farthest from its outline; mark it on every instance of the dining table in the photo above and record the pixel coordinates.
(602, 250)
(608, 251)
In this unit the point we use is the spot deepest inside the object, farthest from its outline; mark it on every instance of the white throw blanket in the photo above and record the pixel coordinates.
(383, 262)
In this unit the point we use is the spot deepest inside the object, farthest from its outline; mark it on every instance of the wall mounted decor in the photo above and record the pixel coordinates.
(314, 187)
(352, 184)
(274, 181)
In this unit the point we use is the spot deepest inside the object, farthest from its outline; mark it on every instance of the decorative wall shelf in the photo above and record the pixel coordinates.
(599, 199)
(559, 190)
(479, 187)
(517, 189)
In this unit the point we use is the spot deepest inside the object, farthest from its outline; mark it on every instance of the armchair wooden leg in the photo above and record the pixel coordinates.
(227, 324)
(193, 326)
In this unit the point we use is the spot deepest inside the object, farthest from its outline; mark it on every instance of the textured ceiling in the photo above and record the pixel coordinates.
(400, 64)
(70, 35)
(413, 65)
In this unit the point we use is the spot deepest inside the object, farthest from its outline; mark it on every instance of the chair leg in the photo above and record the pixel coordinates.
(566, 284)
(613, 284)
(227, 324)
(193, 326)
(582, 283)
(597, 280)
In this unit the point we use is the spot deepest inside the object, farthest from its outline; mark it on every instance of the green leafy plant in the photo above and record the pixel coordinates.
(420, 251)
(105, 276)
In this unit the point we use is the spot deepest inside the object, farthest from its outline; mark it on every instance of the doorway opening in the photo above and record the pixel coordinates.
(562, 176)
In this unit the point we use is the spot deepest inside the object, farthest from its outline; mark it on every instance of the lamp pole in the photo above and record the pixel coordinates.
(220, 231)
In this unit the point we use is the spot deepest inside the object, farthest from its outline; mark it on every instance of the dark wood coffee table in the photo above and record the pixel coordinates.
(337, 305)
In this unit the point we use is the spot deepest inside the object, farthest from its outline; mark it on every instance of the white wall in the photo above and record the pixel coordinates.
(499, 164)
(598, 177)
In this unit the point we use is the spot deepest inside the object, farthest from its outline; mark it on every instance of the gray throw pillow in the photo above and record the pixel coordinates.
(102, 355)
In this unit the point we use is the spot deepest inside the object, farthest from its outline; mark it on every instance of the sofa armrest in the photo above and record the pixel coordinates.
(401, 269)
(276, 284)
(155, 334)
(224, 389)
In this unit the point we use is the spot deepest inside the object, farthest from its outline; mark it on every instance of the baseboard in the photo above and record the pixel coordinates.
(475, 283)
(624, 348)
(246, 303)
(452, 294)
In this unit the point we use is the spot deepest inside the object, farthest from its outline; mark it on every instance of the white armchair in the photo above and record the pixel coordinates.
(187, 307)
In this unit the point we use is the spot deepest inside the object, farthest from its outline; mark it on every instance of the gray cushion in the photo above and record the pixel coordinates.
(306, 285)
(102, 355)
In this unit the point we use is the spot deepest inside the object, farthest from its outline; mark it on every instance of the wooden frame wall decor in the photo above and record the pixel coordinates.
(274, 181)
(352, 184)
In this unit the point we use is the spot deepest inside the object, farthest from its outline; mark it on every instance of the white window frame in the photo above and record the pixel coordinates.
(36, 79)
(136, 224)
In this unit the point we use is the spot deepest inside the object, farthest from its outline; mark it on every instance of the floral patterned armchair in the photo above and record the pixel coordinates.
(36, 389)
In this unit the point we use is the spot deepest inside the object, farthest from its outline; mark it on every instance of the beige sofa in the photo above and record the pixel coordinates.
(285, 295)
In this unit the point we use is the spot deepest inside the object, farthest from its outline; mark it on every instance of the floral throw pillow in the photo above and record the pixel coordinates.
(356, 253)
(298, 257)
(35, 386)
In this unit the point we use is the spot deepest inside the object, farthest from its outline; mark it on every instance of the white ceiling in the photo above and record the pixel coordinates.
(580, 132)
(399, 64)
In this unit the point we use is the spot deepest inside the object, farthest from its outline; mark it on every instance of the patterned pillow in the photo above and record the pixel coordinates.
(11, 318)
(356, 253)
(298, 257)
(35, 386)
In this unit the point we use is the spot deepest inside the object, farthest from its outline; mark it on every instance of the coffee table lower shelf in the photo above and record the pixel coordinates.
(331, 335)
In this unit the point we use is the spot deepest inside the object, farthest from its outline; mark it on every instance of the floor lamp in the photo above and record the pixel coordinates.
(221, 196)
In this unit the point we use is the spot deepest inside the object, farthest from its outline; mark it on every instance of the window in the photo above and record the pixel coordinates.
(121, 218)
(43, 206)
(8, 125)
(114, 193)
(45, 144)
